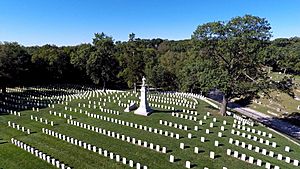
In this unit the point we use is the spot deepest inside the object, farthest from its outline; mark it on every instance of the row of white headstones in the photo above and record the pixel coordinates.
(133, 125)
(261, 141)
(95, 149)
(40, 154)
(41, 120)
(119, 136)
(104, 110)
(251, 160)
(18, 127)
(263, 151)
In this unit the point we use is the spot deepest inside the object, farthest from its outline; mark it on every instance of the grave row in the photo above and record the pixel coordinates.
(187, 163)
(18, 127)
(46, 121)
(192, 112)
(168, 100)
(254, 138)
(171, 103)
(242, 120)
(252, 130)
(178, 95)
(15, 113)
(250, 159)
(161, 106)
(263, 151)
(119, 136)
(93, 148)
(175, 125)
(109, 111)
(66, 116)
(133, 125)
(184, 116)
(40, 154)
(12, 112)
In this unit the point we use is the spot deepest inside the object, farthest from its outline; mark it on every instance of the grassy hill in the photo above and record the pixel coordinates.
(12, 156)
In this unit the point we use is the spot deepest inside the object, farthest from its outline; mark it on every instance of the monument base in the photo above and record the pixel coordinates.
(143, 111)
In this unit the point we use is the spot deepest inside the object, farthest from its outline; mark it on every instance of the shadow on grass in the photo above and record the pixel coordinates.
(2, 113)
(201, 151)
(193, 165)
(217, 156)
(177, 159)
(3, 142)
(169, 151)
(283, 126)
(186, 146)
(9, 102)
(164, 111)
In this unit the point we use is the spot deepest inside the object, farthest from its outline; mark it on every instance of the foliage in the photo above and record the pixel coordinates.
(101, 62)
(14, 64)
(232, 49)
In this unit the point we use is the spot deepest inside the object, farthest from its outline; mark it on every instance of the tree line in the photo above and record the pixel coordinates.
(231, 56)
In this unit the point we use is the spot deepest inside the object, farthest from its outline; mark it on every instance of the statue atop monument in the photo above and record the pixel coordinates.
(144, 108)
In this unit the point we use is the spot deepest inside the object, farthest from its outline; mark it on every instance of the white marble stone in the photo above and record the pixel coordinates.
(144, 108)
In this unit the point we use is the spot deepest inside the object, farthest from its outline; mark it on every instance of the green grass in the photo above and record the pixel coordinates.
(77, 157)
(279, 100)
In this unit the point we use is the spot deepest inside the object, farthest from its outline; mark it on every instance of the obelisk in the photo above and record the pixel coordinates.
(144, 108)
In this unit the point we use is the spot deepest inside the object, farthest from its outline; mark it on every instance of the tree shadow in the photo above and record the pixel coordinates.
(155, 111)
(20, 101)
(283, 126)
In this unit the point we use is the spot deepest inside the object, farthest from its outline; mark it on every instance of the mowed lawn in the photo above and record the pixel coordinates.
(12, 156)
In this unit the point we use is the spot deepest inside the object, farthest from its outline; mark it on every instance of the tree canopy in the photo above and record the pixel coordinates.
(231, 51)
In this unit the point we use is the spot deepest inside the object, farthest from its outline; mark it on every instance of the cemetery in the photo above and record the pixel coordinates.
(173, 85)
(88, 128)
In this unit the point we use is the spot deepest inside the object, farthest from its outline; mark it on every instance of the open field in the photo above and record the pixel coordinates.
(96, 109)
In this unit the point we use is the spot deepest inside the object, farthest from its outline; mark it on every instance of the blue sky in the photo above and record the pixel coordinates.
(71, 22)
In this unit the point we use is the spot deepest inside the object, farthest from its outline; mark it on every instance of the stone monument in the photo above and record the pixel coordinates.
(144, 108)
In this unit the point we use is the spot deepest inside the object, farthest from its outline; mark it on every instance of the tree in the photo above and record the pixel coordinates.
(79, 59)
(131, 60)
(51, 63)
(14, 64)
(231, 50)
(101, 64)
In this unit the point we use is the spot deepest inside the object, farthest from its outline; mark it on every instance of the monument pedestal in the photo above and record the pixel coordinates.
(144, 108)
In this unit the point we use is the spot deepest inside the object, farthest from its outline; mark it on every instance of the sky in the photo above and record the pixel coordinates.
(72, 22)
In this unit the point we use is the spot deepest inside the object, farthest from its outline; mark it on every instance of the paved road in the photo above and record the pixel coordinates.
(270, 121)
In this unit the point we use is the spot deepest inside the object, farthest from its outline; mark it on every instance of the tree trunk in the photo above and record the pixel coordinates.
(134, 87)
(3, 88)
(104, 86)
(284, 71)
(224, 106)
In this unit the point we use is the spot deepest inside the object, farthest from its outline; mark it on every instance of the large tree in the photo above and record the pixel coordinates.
(14, 64)
(79, 58)
(101, 65)
(131, 60)
(232, 50)
(51, 63)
